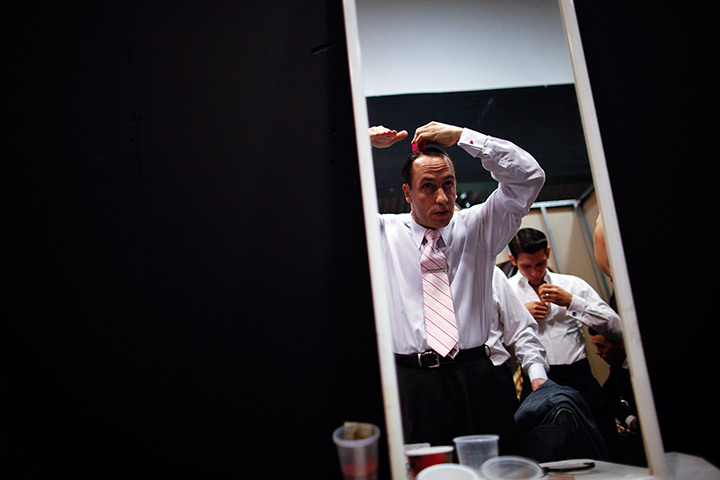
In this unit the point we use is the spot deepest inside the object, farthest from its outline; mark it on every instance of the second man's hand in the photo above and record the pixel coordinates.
(554, 294)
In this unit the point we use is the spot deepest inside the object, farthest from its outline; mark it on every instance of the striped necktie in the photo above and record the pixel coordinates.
(440, 325)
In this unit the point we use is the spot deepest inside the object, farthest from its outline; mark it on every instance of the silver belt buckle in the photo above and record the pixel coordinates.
(437, 359)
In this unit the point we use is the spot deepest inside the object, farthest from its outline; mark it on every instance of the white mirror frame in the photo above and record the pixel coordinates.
(378, 281)
(621, 282)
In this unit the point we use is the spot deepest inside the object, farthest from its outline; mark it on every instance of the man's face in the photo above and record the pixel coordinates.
(532, 265)
(433, 193)
(612, 352)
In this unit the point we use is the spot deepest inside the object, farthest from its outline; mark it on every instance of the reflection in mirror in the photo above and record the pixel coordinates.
(503, 69)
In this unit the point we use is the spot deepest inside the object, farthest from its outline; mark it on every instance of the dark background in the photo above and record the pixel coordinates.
(181, 177)
(190, 293)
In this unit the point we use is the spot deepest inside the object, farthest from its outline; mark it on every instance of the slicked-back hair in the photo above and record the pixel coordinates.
(428, 152)
(528, 240)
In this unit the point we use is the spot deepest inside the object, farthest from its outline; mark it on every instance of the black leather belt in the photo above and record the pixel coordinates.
(431, 359)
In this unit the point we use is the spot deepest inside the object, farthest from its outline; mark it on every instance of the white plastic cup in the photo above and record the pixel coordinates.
(448, 471)
(508, 467)
(474, 450)
(358, 457)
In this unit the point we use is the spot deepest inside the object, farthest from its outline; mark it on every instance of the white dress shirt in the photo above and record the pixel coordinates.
(561, 332)
(470, 242)
(514, 327)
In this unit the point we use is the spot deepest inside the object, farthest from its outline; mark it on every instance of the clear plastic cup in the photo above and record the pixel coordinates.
(448, 471)
(358, 456)
(508, 467)
(474, 450)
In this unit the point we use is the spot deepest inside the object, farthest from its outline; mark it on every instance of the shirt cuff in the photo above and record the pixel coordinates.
(535, 371)
(577, 306)
(472, 142)
(629, 420)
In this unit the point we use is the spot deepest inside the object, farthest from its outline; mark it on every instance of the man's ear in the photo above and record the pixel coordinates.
(512, 259)
(406, 191)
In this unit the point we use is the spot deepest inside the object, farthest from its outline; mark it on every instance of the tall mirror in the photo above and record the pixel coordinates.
(513, 70)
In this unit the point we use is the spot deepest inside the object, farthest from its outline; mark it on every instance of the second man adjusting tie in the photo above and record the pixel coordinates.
(440, 324)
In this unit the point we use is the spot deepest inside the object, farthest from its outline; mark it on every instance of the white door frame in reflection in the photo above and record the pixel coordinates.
(641, 383)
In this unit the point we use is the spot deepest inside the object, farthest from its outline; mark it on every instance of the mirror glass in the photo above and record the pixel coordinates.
(501, 68)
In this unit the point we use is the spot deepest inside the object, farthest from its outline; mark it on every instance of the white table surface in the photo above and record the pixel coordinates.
(680, 467)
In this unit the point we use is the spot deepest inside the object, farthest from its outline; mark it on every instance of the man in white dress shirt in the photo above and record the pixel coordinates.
(447, 396)
(562, 304)
(514, 329)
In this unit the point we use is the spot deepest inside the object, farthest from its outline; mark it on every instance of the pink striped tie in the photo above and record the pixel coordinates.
(440, 326)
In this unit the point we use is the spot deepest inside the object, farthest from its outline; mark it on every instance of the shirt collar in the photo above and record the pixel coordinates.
(417, 232)
(525, 282)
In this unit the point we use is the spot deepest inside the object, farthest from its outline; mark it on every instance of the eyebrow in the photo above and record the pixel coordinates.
(432, 179)
(531, 264)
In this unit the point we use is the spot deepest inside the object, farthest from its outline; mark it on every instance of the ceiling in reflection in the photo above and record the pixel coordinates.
(424, 46)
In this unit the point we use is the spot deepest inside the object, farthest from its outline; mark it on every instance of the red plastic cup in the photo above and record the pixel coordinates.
(421, 458)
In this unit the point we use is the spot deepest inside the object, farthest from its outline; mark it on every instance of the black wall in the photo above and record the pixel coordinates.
(189, 288)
